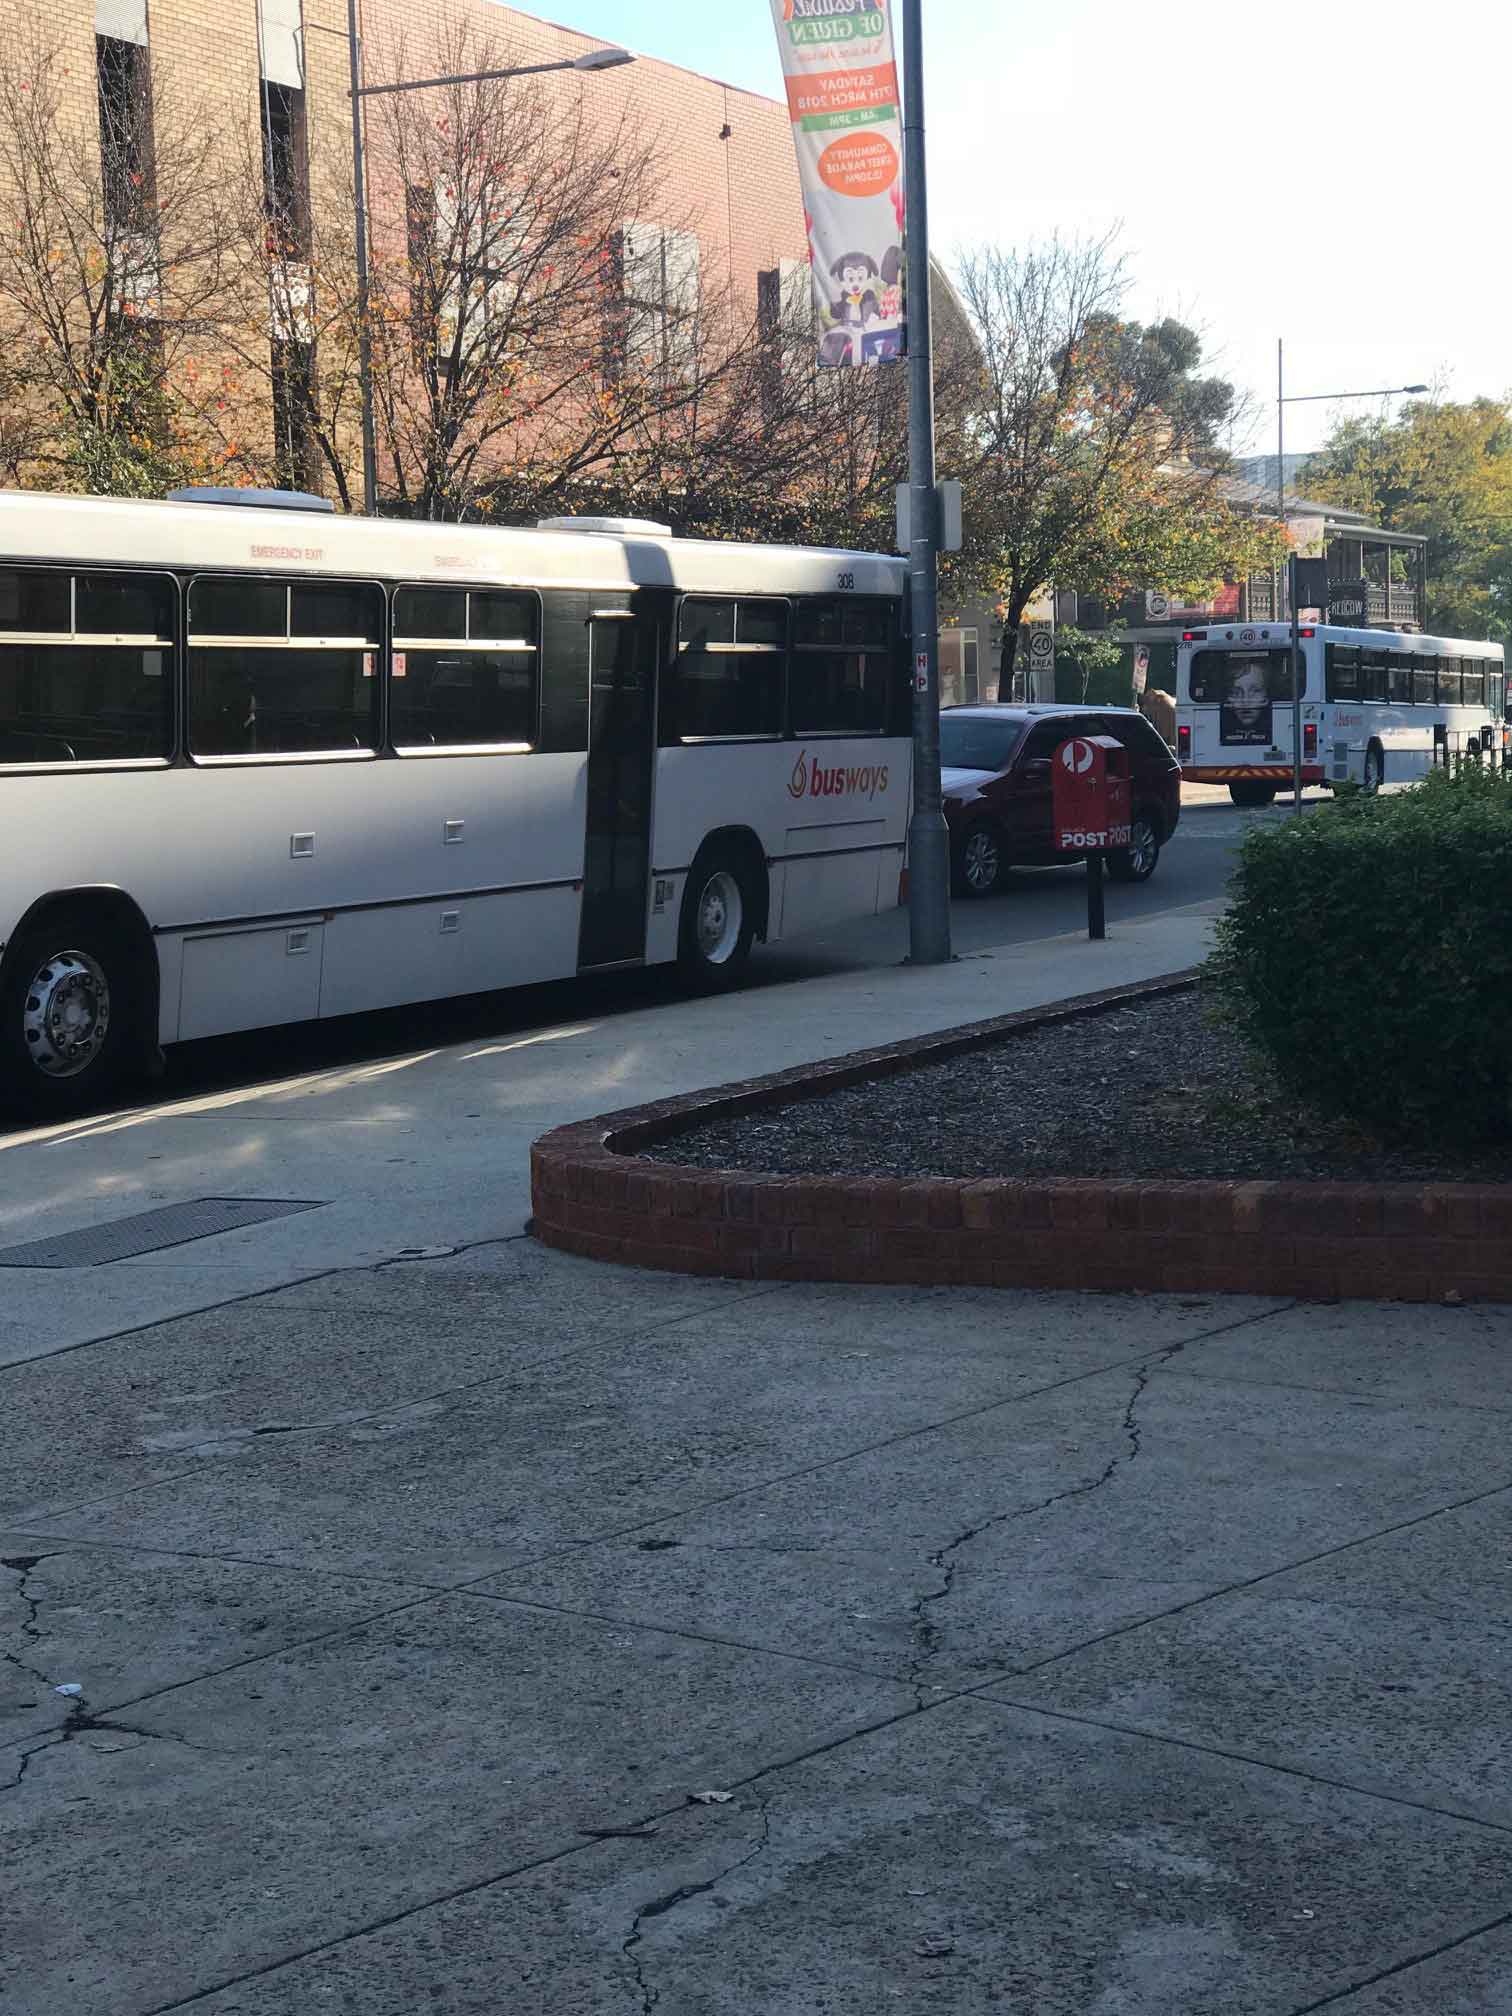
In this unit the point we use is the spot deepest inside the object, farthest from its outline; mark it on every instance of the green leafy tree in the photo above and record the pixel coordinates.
(1444, 470)
(1090, 453)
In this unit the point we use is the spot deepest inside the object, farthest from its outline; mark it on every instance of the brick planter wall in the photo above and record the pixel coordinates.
(1391, 1241)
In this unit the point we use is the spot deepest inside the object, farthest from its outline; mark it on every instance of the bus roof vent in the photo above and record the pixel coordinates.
(623, 528)
(255, 500)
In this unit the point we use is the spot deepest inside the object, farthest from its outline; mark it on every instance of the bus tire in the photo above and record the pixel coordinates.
(718, 920)
(1136, 863)
(70, 1011)
(1253, 794)
(1375, 770)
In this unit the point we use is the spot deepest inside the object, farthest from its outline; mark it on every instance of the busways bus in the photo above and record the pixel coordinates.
(259, 763)
(1377, 705)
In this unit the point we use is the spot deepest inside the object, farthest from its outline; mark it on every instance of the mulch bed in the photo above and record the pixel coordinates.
(1153, 1089)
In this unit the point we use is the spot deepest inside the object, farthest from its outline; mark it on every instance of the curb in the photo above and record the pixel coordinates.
(1407, 1242)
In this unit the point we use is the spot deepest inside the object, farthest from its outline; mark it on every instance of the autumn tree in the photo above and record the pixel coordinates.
(1091, 452)
(1444, 470)
(113, 238)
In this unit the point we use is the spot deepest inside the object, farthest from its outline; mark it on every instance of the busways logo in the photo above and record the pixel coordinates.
(813, 780)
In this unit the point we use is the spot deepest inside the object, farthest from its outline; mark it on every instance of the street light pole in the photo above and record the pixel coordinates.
(591, 59)
(928, 837)
(364, 326)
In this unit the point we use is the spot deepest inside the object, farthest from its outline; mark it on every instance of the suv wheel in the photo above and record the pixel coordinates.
(1136, 862)
(980, 864)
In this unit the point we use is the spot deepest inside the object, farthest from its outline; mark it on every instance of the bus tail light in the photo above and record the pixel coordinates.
(1184, 744)
(1309, 738)
(1193, 636)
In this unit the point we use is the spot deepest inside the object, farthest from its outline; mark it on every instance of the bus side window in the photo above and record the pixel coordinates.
(1422, 681)
(1343, 672)
(838, 678)
(1473, 674)
(729, 676)
(1399, 674)
(84, 667)
(1448, 682)
(464, 669)
(1372, 675)
(283, 667)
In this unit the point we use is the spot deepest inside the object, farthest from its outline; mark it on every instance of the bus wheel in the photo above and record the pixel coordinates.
(1253, 794)
(718, 920)
(1375, 770)
(66, 1012)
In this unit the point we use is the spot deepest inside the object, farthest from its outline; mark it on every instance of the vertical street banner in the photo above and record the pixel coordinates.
(842, 90)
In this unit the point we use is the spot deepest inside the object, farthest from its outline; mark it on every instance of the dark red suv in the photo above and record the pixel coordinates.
(995, 769)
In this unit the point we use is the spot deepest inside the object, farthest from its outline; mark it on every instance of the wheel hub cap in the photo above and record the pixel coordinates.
(981, 860)
(66, 1015)
(719, 918)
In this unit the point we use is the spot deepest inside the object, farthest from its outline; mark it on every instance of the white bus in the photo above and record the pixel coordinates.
(260, 763)
(1377, 705)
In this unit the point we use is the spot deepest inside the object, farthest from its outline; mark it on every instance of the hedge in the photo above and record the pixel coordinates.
(1368, 955)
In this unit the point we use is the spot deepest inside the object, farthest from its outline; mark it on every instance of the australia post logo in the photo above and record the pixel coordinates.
(816, 780)
(1077, 757)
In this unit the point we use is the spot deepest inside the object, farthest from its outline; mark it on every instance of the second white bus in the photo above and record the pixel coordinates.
(1380, 706)
(260, 764)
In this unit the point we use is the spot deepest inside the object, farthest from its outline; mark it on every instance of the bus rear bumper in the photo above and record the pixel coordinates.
(1245, 773)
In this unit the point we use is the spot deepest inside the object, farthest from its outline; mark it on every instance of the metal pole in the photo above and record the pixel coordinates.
(364, 330)
(928, 837)
(1291, 579)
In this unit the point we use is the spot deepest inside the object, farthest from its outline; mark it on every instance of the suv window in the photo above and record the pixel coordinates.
(1045, 737)
(1137, 735)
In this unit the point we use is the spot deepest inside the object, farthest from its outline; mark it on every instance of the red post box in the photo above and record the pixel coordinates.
(1090, 803)
(1091, 795)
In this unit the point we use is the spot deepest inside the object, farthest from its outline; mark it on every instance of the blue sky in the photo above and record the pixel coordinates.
(1331, 175)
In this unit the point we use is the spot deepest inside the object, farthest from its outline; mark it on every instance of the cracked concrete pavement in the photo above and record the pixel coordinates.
(1067, 1654)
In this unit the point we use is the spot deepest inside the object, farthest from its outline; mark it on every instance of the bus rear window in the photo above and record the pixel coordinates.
(1216, 675)
(85, 665)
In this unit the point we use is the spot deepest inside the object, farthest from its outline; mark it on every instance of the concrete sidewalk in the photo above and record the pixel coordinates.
(430, 1148)
(510, 1636)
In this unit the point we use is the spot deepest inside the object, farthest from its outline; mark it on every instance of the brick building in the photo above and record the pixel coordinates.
(274, 77)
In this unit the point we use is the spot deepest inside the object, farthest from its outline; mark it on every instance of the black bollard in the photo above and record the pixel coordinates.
(1095, 925)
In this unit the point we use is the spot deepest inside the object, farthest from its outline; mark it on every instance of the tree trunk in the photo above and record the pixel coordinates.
(1012, 626)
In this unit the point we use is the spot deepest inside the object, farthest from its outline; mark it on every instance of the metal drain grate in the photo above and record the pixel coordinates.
(152, 1231)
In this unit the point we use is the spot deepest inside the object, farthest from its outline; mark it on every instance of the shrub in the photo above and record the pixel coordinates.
(1368, 955)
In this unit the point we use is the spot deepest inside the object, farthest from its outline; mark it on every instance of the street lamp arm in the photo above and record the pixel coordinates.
(1387, 392)
(591, 59)
(464, 77)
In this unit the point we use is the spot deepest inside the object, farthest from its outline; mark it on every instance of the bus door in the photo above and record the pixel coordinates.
(622, 648)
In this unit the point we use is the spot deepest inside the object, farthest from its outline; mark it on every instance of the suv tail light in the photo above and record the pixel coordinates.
(1310, 738)
(1184, 744)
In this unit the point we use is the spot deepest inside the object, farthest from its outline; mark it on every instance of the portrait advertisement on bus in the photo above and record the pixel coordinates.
(1245, 684)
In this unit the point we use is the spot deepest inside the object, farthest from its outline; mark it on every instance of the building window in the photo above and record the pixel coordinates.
(124, 89)
(420, 239)
(293, 383)
(785, 325)
(960, 676)
(286, 186)
(655, 297)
